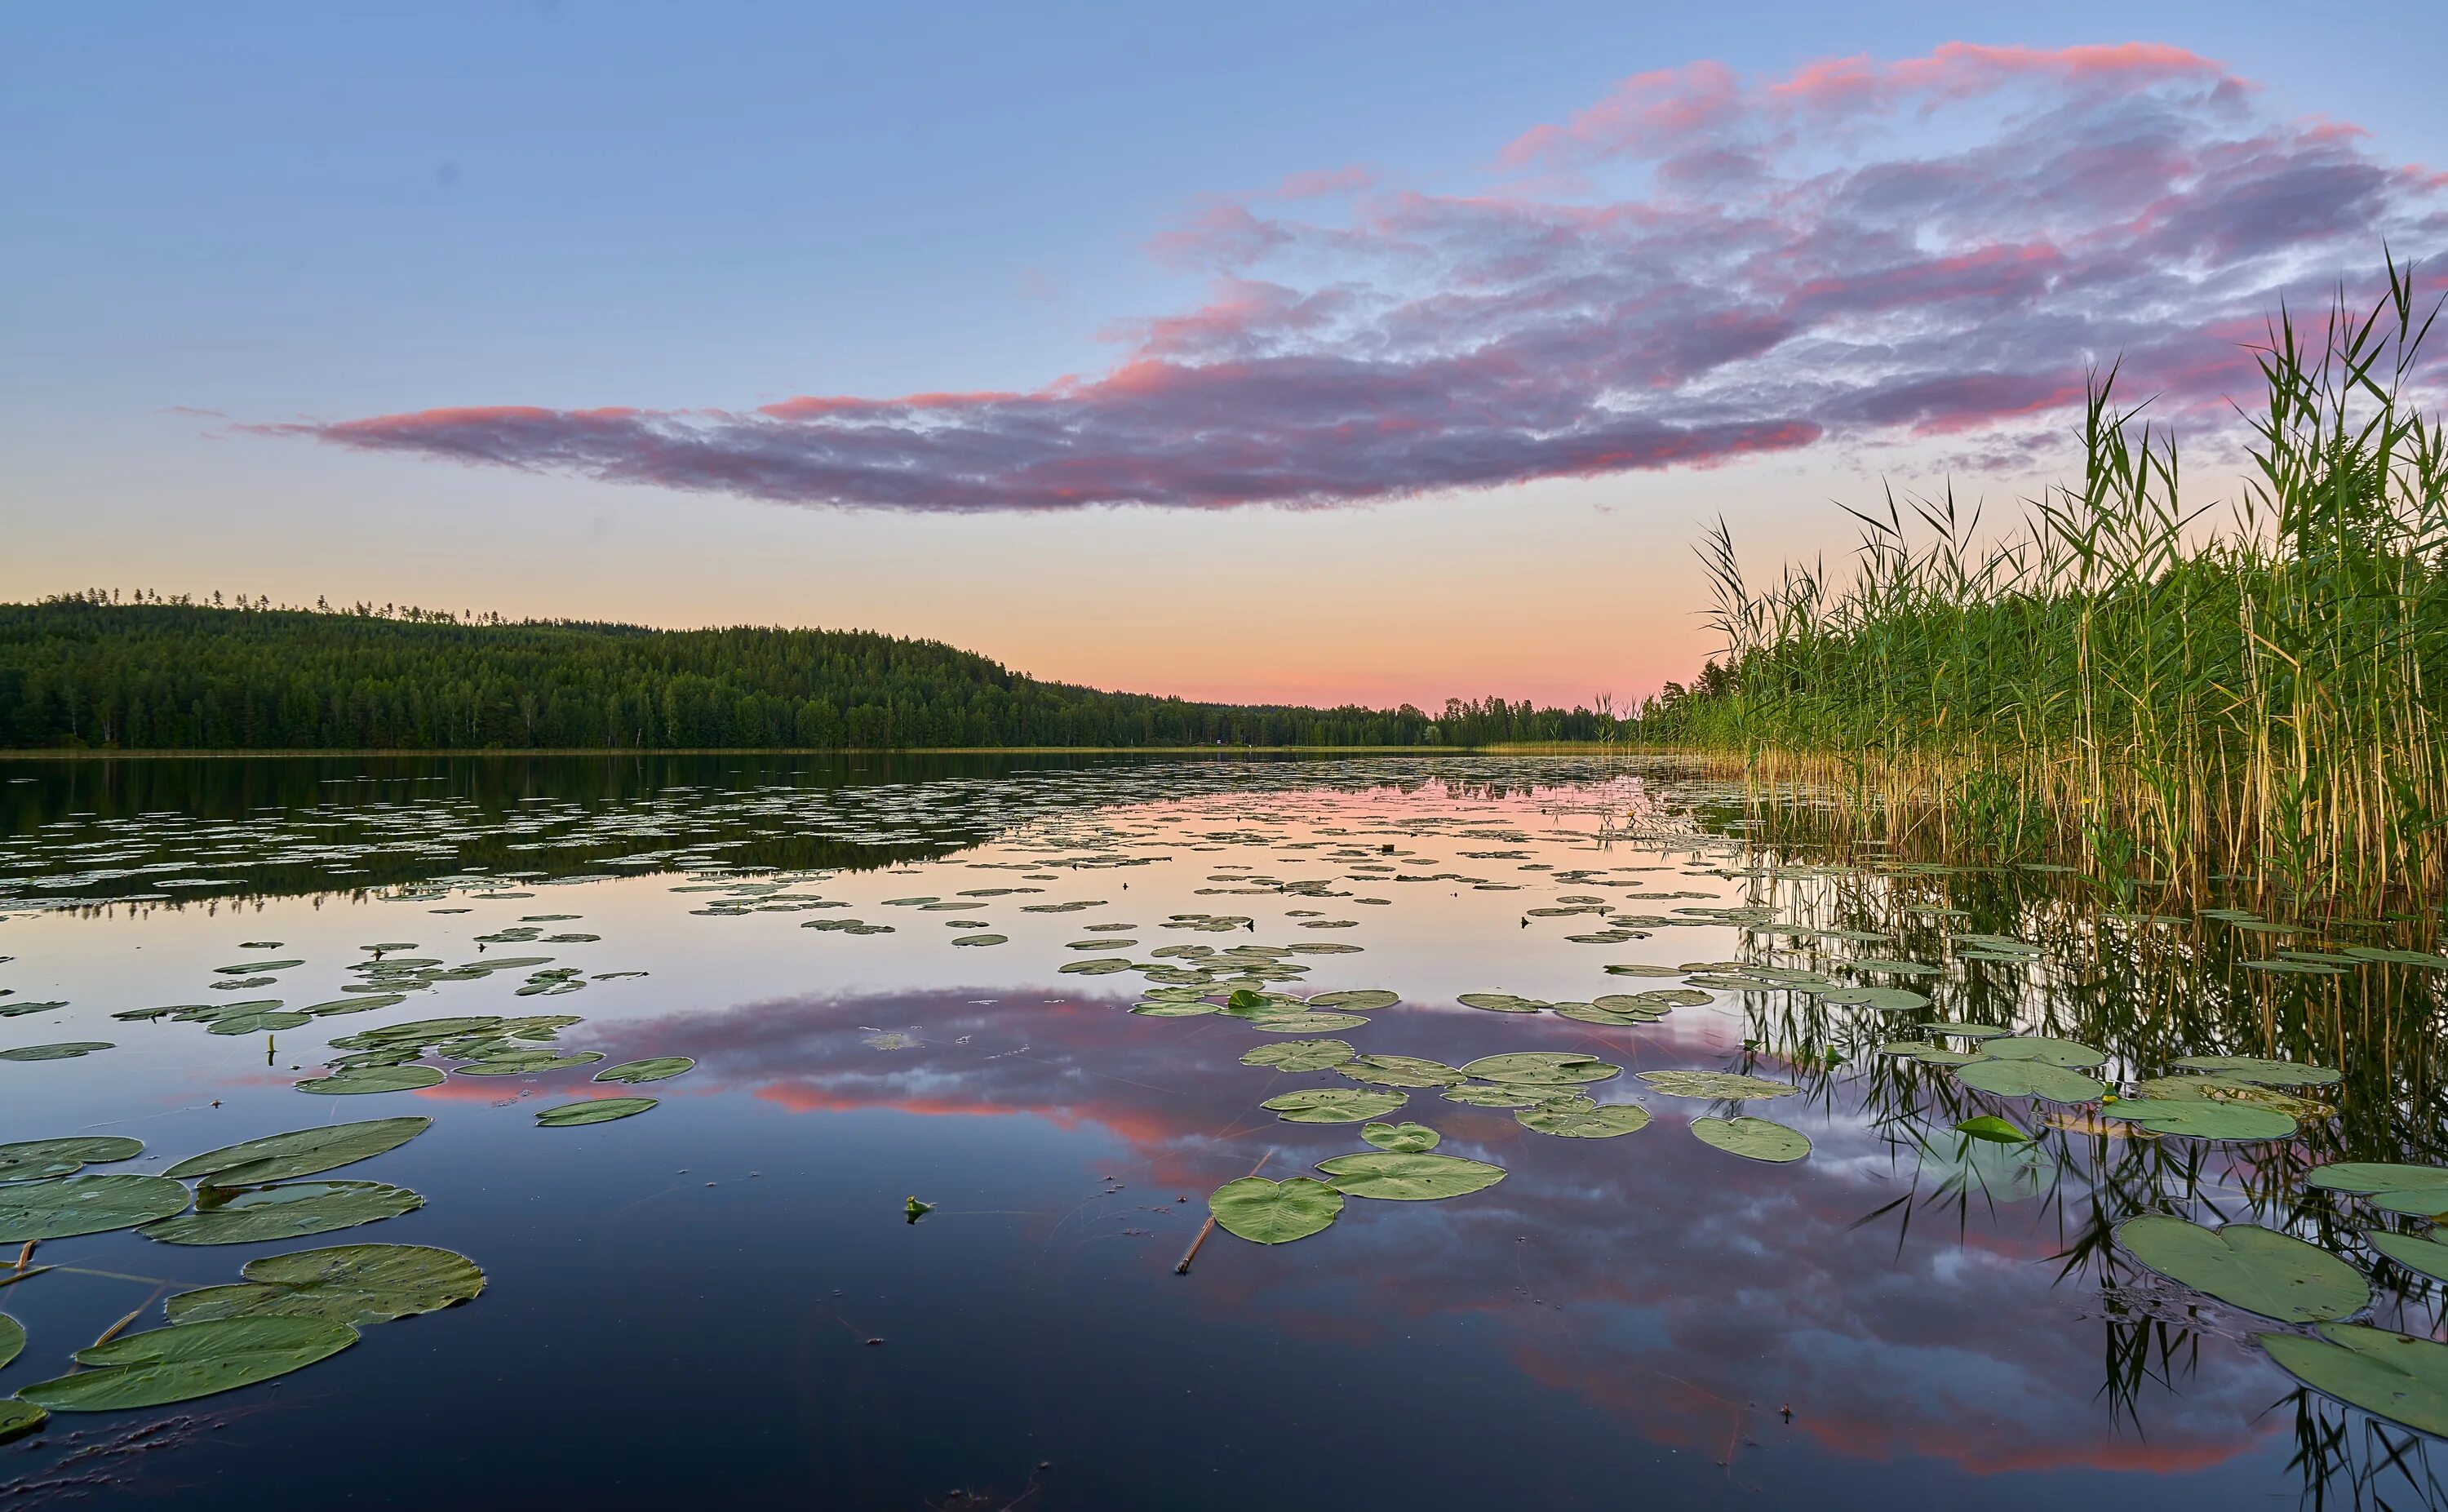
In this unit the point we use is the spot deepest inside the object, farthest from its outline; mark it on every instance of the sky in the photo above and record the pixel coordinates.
(1321, 353)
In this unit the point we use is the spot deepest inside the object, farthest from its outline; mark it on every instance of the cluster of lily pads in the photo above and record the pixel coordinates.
(284, 1313)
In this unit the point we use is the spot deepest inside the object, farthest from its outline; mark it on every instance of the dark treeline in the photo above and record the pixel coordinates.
(84, 672)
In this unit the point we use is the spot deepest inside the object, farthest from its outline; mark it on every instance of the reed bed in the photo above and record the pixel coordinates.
(2119, 680)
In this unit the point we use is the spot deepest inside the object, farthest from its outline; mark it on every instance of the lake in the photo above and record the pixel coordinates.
(1046, 1000)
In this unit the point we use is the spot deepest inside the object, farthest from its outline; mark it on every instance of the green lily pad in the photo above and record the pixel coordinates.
(1994, 1129)
(1404, 1139)
(1409, 1177)
(17, 1419)
(1401, 1071)
(1499, 1002)
(1173, 1008)
(1886, 998)
(1927, 1053)
(1723, 1084)
(2424, 1256)
(2419, 1190)
(65, 1206)
(258, 1022)
(289, 1211)
(2068, 1054)
(2029, 1079)
(981, 939)
(1752, 1138)
(1602, 1122)
(1267, 1212)
(68, 1050)
(301, 1152)
(655, 1068)
(190, 1360)
(2257, 1071)
(359, 1080)
(526, 1063)
(1103, 966)
(1965, 1031)
(1357, 1000)
(2259, 1270)
(32, 1160)
(1334, 1105)
(1300, 1055)
(595, 1110)
(13, 1338)
(1546, 1066)
(1514, 1095)
(2402, 1379)
(356, 1284)
(2202, 1120)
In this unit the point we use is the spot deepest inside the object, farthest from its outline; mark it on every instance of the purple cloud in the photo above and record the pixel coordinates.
(1696, 269)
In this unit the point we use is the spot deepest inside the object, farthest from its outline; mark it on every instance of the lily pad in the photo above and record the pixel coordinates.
(1300, 1055)
(1267, 1212)
(1726, 1085)
(1303, 1022)
(2402, 1379)
(258, 1022)
(1499, 1002)
(655, 1068)
(190, 1360)
(1549, 1066)
(981, 939)
(289, 1211)
(1928, 1053)
(67, 1050)
(69, 1205)
(1404, 1139)
(302, 1151)
(2419, 1190)
(2260, 1270)
(2257, 1071)
(2202, 1120)
(1357, 1000)
(2068, 1054)
(32, 1160)
(1994, 1129)
(359, 1080)
(13, 1338)
(1401, 1071)
(2029, 1079)
(526, 1063)
(1752, 1138)
(1334, 1105)
(595, 1110)
(2426, 1257)
(357, 1284)
(1409, 1177)
(1515, 1095)
(17, 1419)
(1604, 1122)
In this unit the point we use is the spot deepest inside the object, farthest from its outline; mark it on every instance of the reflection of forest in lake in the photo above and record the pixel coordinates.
(1939, 1314)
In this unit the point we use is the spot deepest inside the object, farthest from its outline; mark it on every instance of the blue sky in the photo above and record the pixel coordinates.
(296, 216)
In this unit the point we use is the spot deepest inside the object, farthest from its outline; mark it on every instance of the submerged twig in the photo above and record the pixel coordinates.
(1209, 1227)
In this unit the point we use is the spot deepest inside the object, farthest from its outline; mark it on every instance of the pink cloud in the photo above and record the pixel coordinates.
(1705, 268)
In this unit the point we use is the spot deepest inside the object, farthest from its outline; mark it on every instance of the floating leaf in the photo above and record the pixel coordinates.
(2259, 1270)
(1300, 1055)
(1414, 1178)
(302, 1151)
(66, 1051)
(2029, 1079)
(1601, 1122)
(32, 1160)
(1404, 1139)
(655, 1068)
(13, 1338)
(1965, 1031)
(1514, 1096)
(1094, 968)
(1267, 1212)
(1725, 1084)
(2256, 1071)
(1358, 999)
(1303, 1022)
(2067, 1053)
(358, 1079)
(982, 939)
(528, 1063)
(2200, 1119)
(17, 1419)
(1752, 1138)
(2419, 1190)
(1994, 1129)
(357, 1284)
(1551, 1066)
(595, 1110)
(1888, 999)
(189, 1360)
(1401, 1071)
(2427, 1257)
(69, 1205)
(2402, 1379)
(1499, 1002)
(1333, 1105)
(1926, 1053)
(257, 1022)
(291, 1211)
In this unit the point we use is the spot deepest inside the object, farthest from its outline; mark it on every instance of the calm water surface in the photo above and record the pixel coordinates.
(721, 1302)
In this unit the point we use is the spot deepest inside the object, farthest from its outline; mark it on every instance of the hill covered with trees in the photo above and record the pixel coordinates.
(83, 671)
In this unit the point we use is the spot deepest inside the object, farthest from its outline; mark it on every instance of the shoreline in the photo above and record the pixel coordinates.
(1530, 748)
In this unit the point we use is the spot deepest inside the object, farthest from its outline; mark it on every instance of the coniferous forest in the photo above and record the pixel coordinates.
(82, 671)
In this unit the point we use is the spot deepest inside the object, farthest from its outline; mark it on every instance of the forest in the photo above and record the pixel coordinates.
(83, 671)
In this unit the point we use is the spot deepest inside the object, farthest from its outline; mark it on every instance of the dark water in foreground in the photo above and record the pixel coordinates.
(720, 1302)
